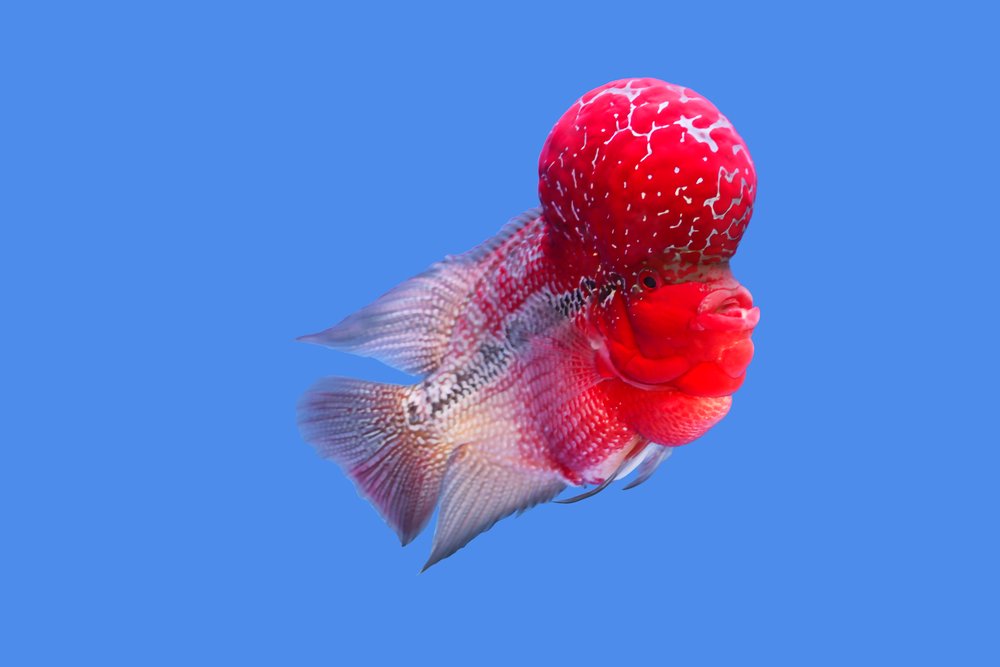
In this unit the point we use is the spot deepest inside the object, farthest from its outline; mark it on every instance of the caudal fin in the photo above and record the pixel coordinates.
(362, 426)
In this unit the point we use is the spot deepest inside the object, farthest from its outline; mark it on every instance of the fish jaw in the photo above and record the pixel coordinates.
(670, 417)
(692, 337)
(715, 370)
(662, 414)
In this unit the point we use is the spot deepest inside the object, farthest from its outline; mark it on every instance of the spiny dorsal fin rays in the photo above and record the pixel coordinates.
(481, 486)
(487, 248)
(410, 326)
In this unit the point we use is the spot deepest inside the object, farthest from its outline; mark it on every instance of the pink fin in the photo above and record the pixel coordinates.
(362, 426)
(480, 488)
(410, 326)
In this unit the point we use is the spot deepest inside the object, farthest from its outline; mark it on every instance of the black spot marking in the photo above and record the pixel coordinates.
(570, 303)
(493, 357)
(488, 364)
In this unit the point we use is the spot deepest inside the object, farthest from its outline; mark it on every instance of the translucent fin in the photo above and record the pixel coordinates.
(628, 462)
(491, 245)
(410, 326)
(635, 461)
(481, 488)
(649, 465)
(587, 494)
(362, 426)
(619, 472)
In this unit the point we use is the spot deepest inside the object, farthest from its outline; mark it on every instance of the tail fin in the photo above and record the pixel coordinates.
(363, 427)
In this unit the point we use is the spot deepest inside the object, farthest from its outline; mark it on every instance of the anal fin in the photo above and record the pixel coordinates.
(481, 486)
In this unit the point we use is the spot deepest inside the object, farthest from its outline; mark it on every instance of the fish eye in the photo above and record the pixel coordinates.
(649, 279)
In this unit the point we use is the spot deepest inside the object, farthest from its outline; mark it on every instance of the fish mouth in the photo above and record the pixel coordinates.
(727, 310)
(716, 378)
(709, 360)
(721, 377)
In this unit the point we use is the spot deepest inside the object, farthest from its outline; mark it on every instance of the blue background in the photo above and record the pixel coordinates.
(186, 188)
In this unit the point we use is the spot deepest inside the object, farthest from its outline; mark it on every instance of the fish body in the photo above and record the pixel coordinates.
(584, 341)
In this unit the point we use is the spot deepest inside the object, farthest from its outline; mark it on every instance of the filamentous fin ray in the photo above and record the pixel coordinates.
(410, 326)
(587, 494)
(481, 487)
(625, 463)
(361, 425)
(649, 465)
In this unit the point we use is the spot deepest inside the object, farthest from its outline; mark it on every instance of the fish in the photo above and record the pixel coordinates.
(584, 342)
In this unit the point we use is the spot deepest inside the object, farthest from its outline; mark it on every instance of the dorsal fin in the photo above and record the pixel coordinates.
(511, 228)
(410, 326)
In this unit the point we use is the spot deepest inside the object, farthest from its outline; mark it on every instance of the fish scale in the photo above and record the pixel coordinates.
(500, 384)
(561, 352)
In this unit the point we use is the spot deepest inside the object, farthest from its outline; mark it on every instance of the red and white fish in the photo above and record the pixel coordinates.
(584, 341)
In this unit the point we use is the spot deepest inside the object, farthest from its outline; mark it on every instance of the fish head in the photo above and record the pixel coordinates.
(647, 190)
(641, 170)
(687, 330)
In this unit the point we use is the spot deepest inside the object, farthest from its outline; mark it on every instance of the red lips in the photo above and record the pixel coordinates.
(727, 310)
(681, 337)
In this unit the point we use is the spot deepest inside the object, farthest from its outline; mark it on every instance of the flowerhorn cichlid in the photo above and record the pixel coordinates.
(582, 343)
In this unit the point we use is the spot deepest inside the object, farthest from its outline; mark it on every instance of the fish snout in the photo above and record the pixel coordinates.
(726, 317)
(727, 310)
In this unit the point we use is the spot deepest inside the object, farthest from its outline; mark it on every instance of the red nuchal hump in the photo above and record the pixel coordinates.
(640, 168)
